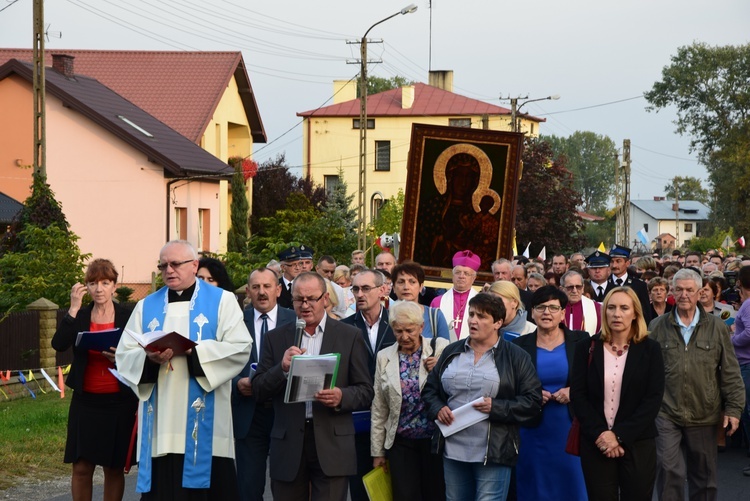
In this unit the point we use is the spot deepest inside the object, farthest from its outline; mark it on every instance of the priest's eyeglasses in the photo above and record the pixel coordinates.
(363, 288)
(309, 300)
(173, 264)
(553, 308)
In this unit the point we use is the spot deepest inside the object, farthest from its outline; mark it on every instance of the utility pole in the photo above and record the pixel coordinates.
(362, 180)
(676, 208)
(40, 135)
(626, 185)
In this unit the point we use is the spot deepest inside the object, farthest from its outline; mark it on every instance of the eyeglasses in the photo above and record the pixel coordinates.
(295, 264)
(365, 288)
(173, 264)
(553, 308)
(571, 288)
(309, 300)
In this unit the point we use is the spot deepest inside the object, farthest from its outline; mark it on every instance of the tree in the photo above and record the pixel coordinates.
(376, 85)
(547, 214)
(238, 231)
(40, 209)
(47, 267)
(271, 187)
(708, 86)
(592, 158)
(688, 188)
(390, 216)
(339, 223)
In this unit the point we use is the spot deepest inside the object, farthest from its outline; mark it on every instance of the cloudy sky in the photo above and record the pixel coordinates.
(599, 56)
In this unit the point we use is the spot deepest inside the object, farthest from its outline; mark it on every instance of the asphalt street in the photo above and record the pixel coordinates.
(733, 485)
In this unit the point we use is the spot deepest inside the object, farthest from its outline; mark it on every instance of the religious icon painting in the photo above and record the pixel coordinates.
(461, 191)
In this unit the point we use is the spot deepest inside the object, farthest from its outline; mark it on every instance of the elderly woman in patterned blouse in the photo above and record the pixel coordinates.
(400, 429)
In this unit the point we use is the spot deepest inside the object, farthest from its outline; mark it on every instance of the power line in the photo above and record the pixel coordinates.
(594, 106)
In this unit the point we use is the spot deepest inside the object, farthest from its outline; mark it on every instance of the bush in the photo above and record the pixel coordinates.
(123, 294)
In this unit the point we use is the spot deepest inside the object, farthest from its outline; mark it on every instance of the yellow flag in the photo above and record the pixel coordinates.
(66, 370)
(601, 248)
(515, 249)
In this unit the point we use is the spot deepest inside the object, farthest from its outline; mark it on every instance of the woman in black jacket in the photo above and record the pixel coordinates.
(616, 391)
(102, 411)
(494, 377)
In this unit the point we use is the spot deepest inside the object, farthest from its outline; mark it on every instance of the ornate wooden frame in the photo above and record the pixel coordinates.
(498, 162)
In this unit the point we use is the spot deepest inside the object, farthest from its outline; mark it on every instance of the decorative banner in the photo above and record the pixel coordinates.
(5, 378)
(30, 377)
(60, 381)
(22, 380)
(49, 380)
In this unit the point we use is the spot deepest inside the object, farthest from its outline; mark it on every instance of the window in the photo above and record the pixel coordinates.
(370, 123)
(180, 222)
(688, 227)
(383, 155)
(204, 229)
(330, 183)
(459, 122)
(645, 227)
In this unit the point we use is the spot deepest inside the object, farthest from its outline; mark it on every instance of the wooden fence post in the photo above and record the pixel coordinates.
(47, 327)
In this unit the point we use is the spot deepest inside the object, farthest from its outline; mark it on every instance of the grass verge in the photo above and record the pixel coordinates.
(32, 438)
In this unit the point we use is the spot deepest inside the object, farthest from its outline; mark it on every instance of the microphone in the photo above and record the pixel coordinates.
(299, 332)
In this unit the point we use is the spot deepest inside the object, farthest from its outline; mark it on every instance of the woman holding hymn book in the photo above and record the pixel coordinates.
(102, 411)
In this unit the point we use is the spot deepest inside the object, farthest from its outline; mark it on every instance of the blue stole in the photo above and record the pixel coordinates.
(204, 315)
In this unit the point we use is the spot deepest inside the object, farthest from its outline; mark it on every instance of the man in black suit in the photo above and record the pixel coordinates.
(312, 443)
(372, 321)
(620, 260)
(252, 420)
(598, 266)
(291, 266)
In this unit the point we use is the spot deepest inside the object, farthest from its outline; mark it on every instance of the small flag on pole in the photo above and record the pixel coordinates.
(601, 248)
(543, 254)
(526, 252)
(741, 241)
(643, 236)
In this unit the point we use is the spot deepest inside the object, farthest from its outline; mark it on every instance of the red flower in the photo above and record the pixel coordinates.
(249, 168)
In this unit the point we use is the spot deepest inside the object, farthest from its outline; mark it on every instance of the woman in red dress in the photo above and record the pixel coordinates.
(102, 411)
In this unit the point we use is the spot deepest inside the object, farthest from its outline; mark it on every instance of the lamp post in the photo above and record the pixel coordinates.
(515, 107)
(362, 198)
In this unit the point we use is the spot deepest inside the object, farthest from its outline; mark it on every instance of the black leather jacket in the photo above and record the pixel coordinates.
(518, 400)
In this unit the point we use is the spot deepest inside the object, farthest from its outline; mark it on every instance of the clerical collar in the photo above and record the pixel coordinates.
(183, 295)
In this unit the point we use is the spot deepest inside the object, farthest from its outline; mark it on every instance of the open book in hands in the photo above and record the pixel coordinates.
(160, 341)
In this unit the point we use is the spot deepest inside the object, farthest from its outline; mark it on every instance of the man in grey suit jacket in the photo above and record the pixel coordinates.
(372, 321)
(312, 444)
(252, 420)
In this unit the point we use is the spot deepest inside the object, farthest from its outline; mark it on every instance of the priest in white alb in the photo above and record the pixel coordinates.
(185, 440)
(455, 302)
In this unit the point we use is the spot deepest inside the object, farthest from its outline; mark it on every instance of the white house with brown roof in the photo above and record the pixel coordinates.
(204, 96)
(127, 182)
(330, 135)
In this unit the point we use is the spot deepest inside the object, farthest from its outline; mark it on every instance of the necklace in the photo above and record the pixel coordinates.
(619, 351)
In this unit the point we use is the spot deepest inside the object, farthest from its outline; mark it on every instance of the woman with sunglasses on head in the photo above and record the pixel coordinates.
(617, 388)
(544, 469)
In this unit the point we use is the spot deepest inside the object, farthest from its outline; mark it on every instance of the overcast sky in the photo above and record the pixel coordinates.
(599, 56)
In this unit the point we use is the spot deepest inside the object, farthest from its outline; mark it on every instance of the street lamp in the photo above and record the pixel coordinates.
(515, 107)
(362, 230)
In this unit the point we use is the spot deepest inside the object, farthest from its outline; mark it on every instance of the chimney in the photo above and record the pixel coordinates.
(63, 63)
(659, 199)
(344, 90)
(442, 79)
(407, 97)
(675, 207)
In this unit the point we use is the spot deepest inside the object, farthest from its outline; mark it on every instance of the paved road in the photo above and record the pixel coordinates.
(733, 485)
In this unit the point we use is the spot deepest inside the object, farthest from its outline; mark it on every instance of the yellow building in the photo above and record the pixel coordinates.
(331, 134)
